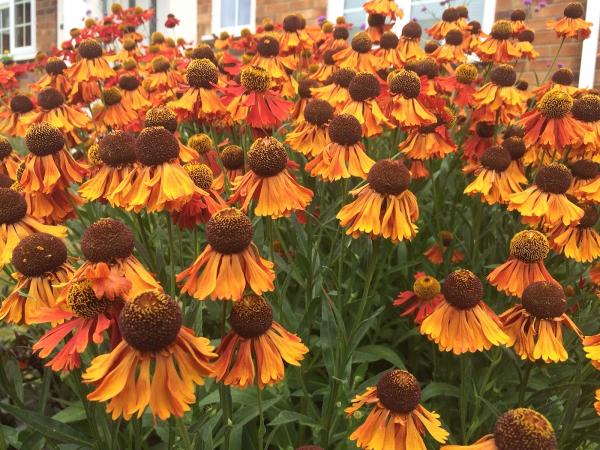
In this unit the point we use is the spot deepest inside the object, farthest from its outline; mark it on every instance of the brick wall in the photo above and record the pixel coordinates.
(45, 13)
(204, 17)
(546, 42)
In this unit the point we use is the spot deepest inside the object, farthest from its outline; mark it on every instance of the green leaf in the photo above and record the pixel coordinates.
(72, 413)
(50, 428)
(369, 353)
(290, 416)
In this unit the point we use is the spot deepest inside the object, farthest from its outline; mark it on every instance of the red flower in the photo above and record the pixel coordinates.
(171, 21)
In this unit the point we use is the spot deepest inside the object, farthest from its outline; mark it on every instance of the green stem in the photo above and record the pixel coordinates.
(463, 403)
(171, 253)
(225, 392)
(553, 61)
(185, 437)
(261, 419)
(367, 287)
(524, 381)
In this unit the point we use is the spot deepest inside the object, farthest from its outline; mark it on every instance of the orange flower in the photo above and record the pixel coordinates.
(327, 66)
(494, 182)
(397, 419)
(387, 52)
(116, 152)
(476, 144)
(525, 266)
(586, 109)
(232, 158)
(159, 182)
(294, 38)
(435, 253)
(51, 209)
(499, 99)
(384, 7)
(41, 263)
(230, 261)
(498, 46)
(85, 73)
(268, 183)
(525, 46)
(591, 347)
(358, 56)
(571, 25)
(310, 135)
(534, 327)
(451, 51)
(303, 89)
(55, 77)
(579, 241)
(450, 21)
(409, 46)
(546, 199)
(160, 370)
(15, 121)
(71, 121)
(268, 57)
(133, 93)
(336, 92)
(512, 429)
(9, 159)
(422, 300)
(16, 224)
(344, 156)
(562, 79)
(428, 142)
(407, 110)
(163, 77)
(85, 319)
(200, 101)
(256, 340)
(364, 90)
(473, 37)
(110, 266)
(550, 123)
(384, 206)
(462, 322)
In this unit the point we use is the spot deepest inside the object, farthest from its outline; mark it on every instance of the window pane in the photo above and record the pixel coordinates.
(348, 4)
(27, 36)
(243, 17)
(228, 13)
(19, 14)
(4, 22)
(5, 37)
(19, 36)
(357, 19)
(27, 14)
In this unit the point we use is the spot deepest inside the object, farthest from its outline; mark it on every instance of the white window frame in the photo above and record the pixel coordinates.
(216, 27)
(335, 8)
(589, 49)
(29, 51)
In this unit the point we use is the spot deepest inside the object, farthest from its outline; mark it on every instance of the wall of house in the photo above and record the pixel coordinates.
(546, 42)
(46, 29)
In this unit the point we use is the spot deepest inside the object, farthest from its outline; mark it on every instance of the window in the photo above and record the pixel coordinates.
(427, 12)
(233, 15)
(17, 28)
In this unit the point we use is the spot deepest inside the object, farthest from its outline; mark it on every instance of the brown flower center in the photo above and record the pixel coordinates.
(318, 112)
(450, 15)
(343, 77)
(44, 139)
(462, 289)
(267, 46)
(232, 157)
(364, 86)
(526, 36)
(389, 40)
(5, 148)
(501, 30)
(129, 44)
(587, 108)
(485, 130)
(201, 73)
(515, 147)
(161, 116)
(13, 206)
(524, 429)
(128, 83)
(155, 146)
(544, 300)
(255, 79)
(111, 96)
(251, 317)
(555, 104)
(431, 46)
(361, 42)
(304, 87)
(518, 15)
(406, 83)
(21, 104)
(93, 155)
(454, 37)
(267, 157)
(292, 23)
(529, 246)
(503, 75)
(574, 10)
(495, 158)
(424, 67)
(554, 178)
(160, 64)
(200, 174)
(204, 51)
(55, 66)
(426, 287)
(90, 49)
(229, 231)
(590, 217)
(412, 30)
(117, 148)
(49, 98)
(389, 177)
(475, 27)
(39, 253)
(584, 169)
(107, 240)
(341, 33)
(345, 129)
(150, 322)
(157, 38)
(466, 73)
(563, 76)
(83, 301)
(399, 391)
